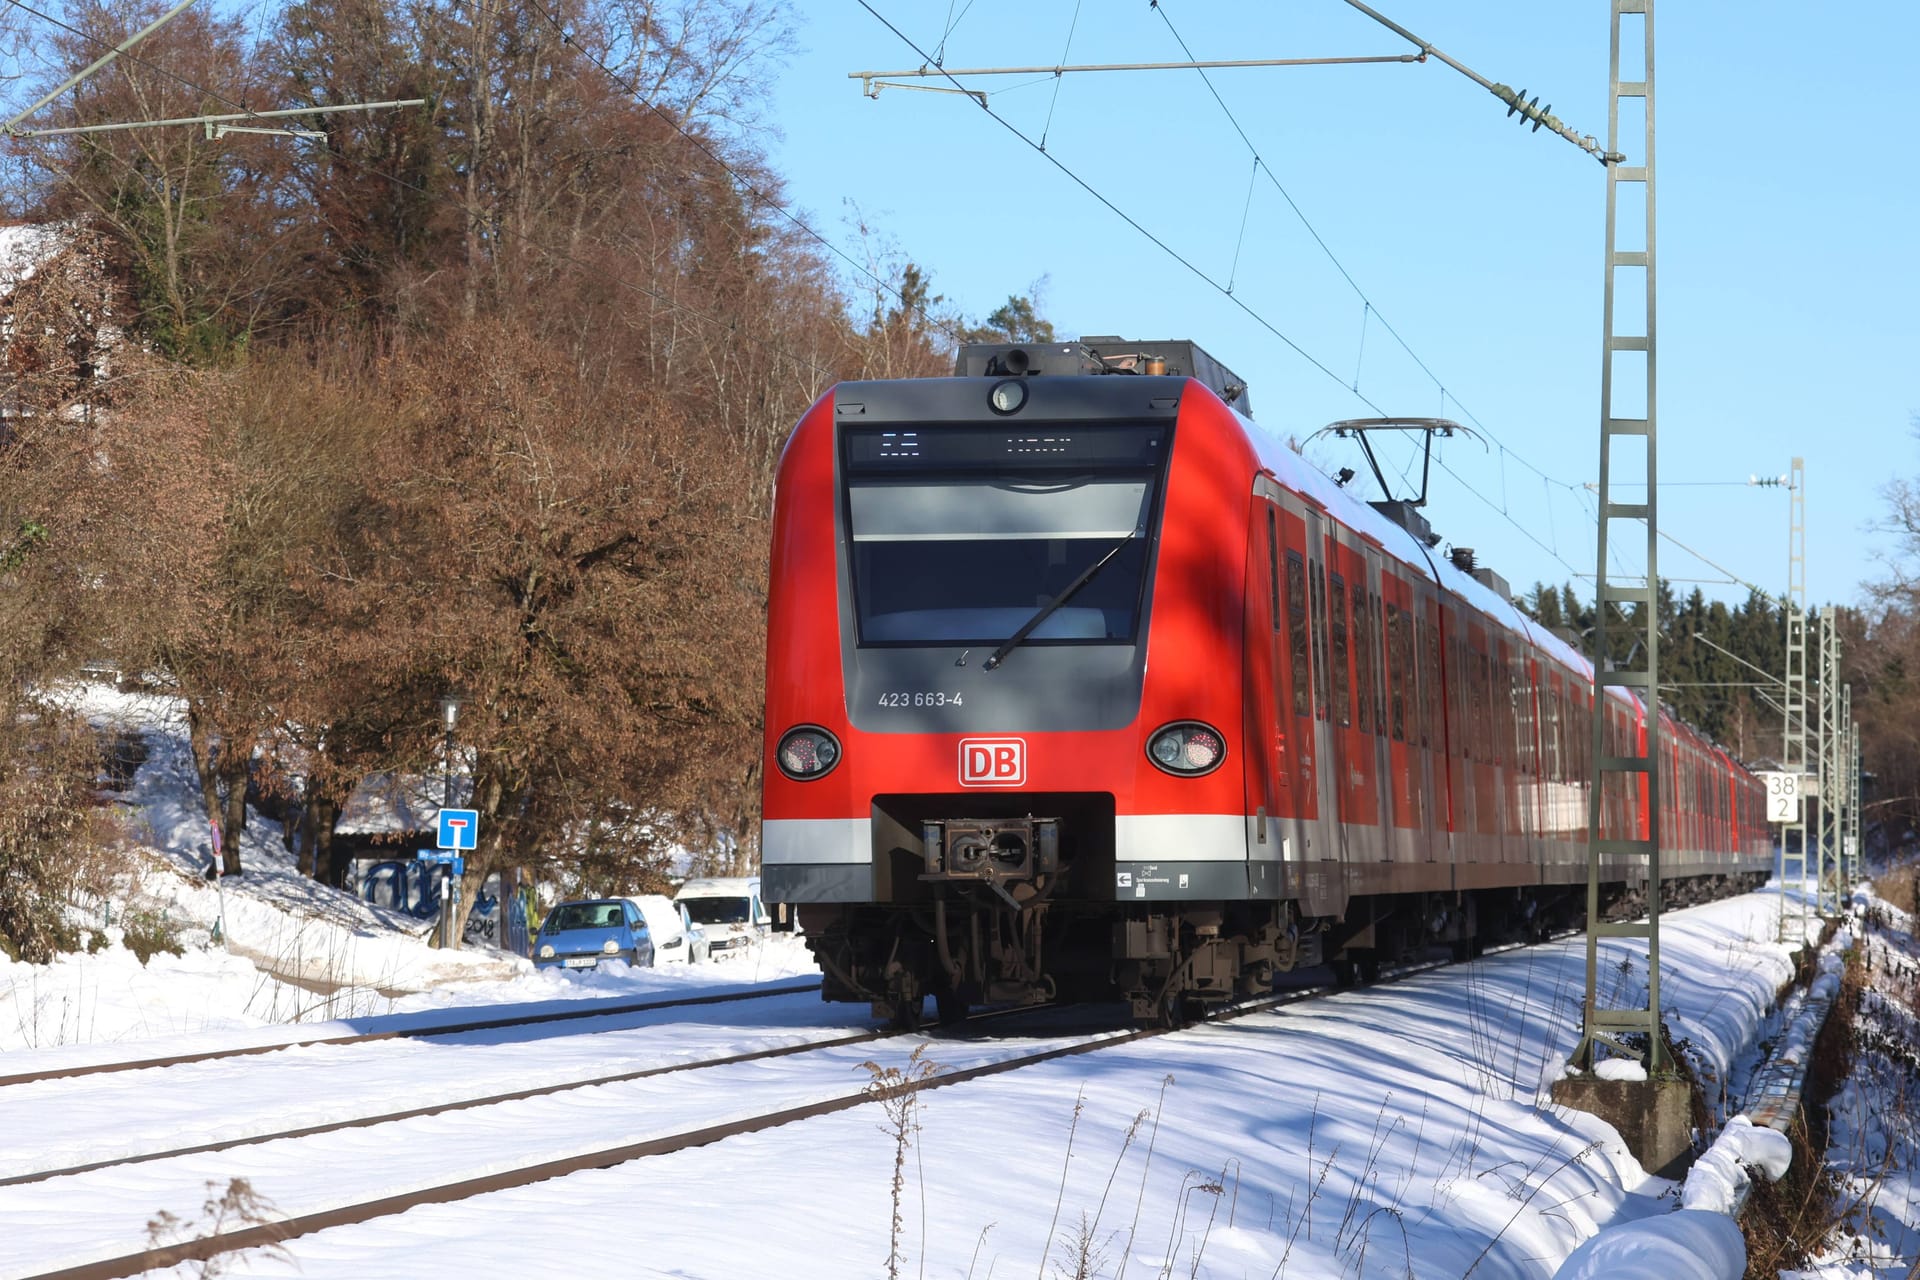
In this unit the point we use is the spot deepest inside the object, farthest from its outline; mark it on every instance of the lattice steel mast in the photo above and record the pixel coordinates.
(1793, 741)
(1850, 784)
(1832, 801)
(1625, 772)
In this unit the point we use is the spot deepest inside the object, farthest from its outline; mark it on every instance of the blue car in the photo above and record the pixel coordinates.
(593, 932)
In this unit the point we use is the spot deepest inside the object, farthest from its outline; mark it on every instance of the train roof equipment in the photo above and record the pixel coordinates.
(1172, 358)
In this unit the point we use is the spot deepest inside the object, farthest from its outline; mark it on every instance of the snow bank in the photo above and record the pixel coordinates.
(1719, 1181)
(1620, 1069)
(109, 996)
(1690, 1244)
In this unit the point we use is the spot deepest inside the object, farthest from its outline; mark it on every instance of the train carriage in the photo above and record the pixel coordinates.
(1080, 685)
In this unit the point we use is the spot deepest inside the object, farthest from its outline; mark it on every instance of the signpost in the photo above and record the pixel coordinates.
(1783, 797)
(218, 859)
(458, 831)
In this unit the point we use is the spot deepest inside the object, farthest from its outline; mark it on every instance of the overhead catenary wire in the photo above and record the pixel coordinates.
(1058, 78)
(1368, 305)
(1516, 100)
(1371, 311)
(1548, 480)
(1183, 260)
(940, 50)
(1158, 242)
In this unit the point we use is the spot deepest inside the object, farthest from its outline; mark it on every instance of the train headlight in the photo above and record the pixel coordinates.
(1187, 748)
(546, 951)
(610, 946)
(1007, 397)
(806, 753)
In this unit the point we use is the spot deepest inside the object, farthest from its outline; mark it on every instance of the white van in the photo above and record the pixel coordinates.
(676, 940)
(730, 909)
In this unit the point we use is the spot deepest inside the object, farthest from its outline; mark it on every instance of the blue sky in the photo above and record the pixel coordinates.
(1787, 279)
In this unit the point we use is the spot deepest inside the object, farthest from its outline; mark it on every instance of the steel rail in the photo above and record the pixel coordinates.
(268, 1234)
(496, 1099)
(459, 1104)
(407, 1033)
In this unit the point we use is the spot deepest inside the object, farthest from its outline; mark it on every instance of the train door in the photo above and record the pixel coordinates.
(1510, 753)
(1263, 732)
(1423, 782)
(1556, 816)
(1351, 713)
(1397, 707)
(1463, 728)
(1531, 699)
(1305, 750)
(1330, 842)
(1437, 732)
(1369, 694)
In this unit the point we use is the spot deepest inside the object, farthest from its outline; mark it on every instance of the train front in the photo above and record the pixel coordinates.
(976, 789)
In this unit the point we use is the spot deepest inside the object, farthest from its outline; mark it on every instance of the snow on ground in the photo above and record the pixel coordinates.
(1402, 1130)
(289, 950)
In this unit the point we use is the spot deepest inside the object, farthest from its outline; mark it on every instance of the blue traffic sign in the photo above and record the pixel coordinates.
(443, 857)
(459, 829)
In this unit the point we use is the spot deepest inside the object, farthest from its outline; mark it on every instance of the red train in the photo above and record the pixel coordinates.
(1080, 685)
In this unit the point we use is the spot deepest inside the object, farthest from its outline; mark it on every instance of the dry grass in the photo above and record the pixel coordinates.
(1899, 887)
(1785, 1221)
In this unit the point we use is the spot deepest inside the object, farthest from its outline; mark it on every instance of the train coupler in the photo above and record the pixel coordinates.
(996, 852)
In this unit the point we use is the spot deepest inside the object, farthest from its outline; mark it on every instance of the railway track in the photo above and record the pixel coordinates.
(768, 1088)
(456, 1026)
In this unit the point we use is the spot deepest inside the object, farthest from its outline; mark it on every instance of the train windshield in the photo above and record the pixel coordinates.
(960, 534)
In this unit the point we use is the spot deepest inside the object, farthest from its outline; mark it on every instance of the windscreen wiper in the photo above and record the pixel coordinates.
(1045, 611)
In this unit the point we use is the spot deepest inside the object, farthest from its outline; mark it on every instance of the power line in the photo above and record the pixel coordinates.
(1126, 217)
(1369, 306)
(1529, 534)
(1215, 284)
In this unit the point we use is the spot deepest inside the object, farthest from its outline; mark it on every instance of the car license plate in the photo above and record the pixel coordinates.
(581, 962)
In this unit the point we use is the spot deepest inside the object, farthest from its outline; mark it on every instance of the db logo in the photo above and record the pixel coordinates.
(993, 762)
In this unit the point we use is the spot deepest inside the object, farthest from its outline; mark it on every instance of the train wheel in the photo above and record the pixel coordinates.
(951, 1006)
(1362, 969)
(906, 1015)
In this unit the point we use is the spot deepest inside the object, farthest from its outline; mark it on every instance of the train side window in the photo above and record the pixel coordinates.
(1524, 713)
(1396, 674)
(1273, 567)
(1363, 660)
(1297, 632)
(1342, 695)
(1550, 732)
(1506, 750)
(1317, 599)
(1460, 697)
(1483, 708)
(1377, 640)
(1430, 672)
(1470, 697)
(1384, 656)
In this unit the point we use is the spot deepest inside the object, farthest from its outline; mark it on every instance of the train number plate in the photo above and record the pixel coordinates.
(581, 962)
(922, 698)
